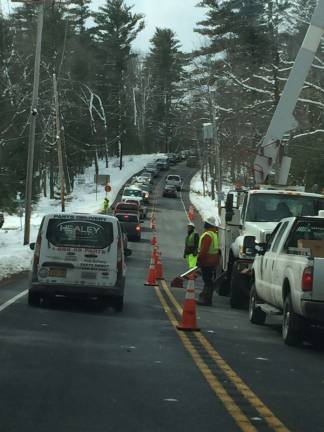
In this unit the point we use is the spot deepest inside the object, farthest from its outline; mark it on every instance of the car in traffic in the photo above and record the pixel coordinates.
(127, 207)
(78, 255)
(132, 192)
(170, 191)
(142, 179)
(174, 180)
(163, 164)
(148, 176)
(172, 159)
(131, 225)
(152, 168)
(146, 189)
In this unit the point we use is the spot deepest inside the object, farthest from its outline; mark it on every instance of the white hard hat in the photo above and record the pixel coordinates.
(212, 221)
(191, 224)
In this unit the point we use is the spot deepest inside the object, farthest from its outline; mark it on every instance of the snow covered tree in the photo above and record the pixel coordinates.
(116, 29)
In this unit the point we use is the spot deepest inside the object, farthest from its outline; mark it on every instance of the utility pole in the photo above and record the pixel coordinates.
(32, 128)
(59, 142)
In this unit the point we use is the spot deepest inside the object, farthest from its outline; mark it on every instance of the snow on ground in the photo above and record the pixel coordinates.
(204, 204)
(14, 257)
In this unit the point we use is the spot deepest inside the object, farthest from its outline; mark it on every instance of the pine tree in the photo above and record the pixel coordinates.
(166, 65)
(78, 14)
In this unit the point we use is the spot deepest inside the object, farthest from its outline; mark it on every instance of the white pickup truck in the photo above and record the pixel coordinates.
(288, 276)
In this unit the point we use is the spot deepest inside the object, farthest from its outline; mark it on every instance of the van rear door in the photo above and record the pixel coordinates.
(79, 250)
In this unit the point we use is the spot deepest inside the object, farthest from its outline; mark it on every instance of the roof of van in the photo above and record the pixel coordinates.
(90, 216)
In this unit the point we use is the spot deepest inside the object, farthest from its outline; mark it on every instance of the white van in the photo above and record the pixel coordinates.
(78, 255)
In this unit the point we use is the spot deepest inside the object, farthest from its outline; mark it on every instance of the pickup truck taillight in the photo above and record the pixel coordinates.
(138, 228)
(307, 279)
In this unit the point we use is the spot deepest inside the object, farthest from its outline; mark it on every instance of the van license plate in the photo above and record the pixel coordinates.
(57, 272)
(88, 275)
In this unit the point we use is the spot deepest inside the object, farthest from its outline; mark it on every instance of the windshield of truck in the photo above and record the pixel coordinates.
(273, 208)
(80, 233)
(133, 193)
(173, 178)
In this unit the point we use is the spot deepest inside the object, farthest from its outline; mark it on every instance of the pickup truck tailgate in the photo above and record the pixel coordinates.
(318, 280)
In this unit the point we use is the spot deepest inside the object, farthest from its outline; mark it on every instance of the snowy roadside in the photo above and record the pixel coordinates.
(204, 204)
(14, 257)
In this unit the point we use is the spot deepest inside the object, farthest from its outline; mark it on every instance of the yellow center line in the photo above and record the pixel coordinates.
(240, 418)
(263, 410)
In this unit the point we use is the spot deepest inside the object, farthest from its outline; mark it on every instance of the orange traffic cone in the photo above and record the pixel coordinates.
(189, 320)
(155, 254)
(153, 240)
(151, 276)
(159, 268)
(191, 213)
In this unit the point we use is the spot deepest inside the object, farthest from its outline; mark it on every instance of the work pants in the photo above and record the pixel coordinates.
(208, 274)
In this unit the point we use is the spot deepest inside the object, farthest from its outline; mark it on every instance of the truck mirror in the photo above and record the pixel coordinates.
(249, 245)
(32, 246)
(260, 248)
(229, 203)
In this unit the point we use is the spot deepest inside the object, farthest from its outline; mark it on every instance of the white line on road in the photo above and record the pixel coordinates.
(12, 300)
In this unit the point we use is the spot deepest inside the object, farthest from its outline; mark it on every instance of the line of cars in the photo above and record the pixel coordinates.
(132, 209)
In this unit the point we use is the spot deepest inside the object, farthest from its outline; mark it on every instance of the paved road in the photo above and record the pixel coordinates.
(76, 367)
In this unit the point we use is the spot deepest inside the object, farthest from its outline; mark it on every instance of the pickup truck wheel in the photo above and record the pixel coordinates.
(256, 315)
(34, 298)
(237, 297)
(291, 331)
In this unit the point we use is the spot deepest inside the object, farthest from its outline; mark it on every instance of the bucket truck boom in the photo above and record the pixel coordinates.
(283, 120)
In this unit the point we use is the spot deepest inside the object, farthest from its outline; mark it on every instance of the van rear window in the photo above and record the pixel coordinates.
(80, 233)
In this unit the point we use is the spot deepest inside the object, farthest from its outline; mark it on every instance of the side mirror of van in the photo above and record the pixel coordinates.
(249, 245)
(229, 202)
(127, 252)
(229, 215)
(229, 207)
(32, 246)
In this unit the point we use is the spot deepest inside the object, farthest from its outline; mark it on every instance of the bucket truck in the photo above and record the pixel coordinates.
(256, 212)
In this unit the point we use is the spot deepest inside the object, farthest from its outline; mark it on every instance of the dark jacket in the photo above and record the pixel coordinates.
(191, 244)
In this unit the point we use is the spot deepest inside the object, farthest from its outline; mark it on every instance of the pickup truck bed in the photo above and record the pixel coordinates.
(288, 275)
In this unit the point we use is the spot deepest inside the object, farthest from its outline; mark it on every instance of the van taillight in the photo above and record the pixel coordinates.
(138, 228)
(37, 249)
(307, 279)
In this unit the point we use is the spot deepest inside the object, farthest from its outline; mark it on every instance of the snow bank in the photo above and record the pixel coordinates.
(14, 257)
(204, 204)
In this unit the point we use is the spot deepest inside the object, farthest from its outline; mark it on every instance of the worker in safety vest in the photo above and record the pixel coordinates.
(106, 205)
(191, 246)
(208, 260)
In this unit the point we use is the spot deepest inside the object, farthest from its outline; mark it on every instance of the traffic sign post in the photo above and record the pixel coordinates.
(107, 188)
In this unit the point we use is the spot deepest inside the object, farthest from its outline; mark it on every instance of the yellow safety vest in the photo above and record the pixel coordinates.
(214, 246)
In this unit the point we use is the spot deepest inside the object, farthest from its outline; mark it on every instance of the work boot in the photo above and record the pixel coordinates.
(203, 303)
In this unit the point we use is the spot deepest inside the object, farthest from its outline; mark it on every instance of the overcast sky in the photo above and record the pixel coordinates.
(179, 15)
